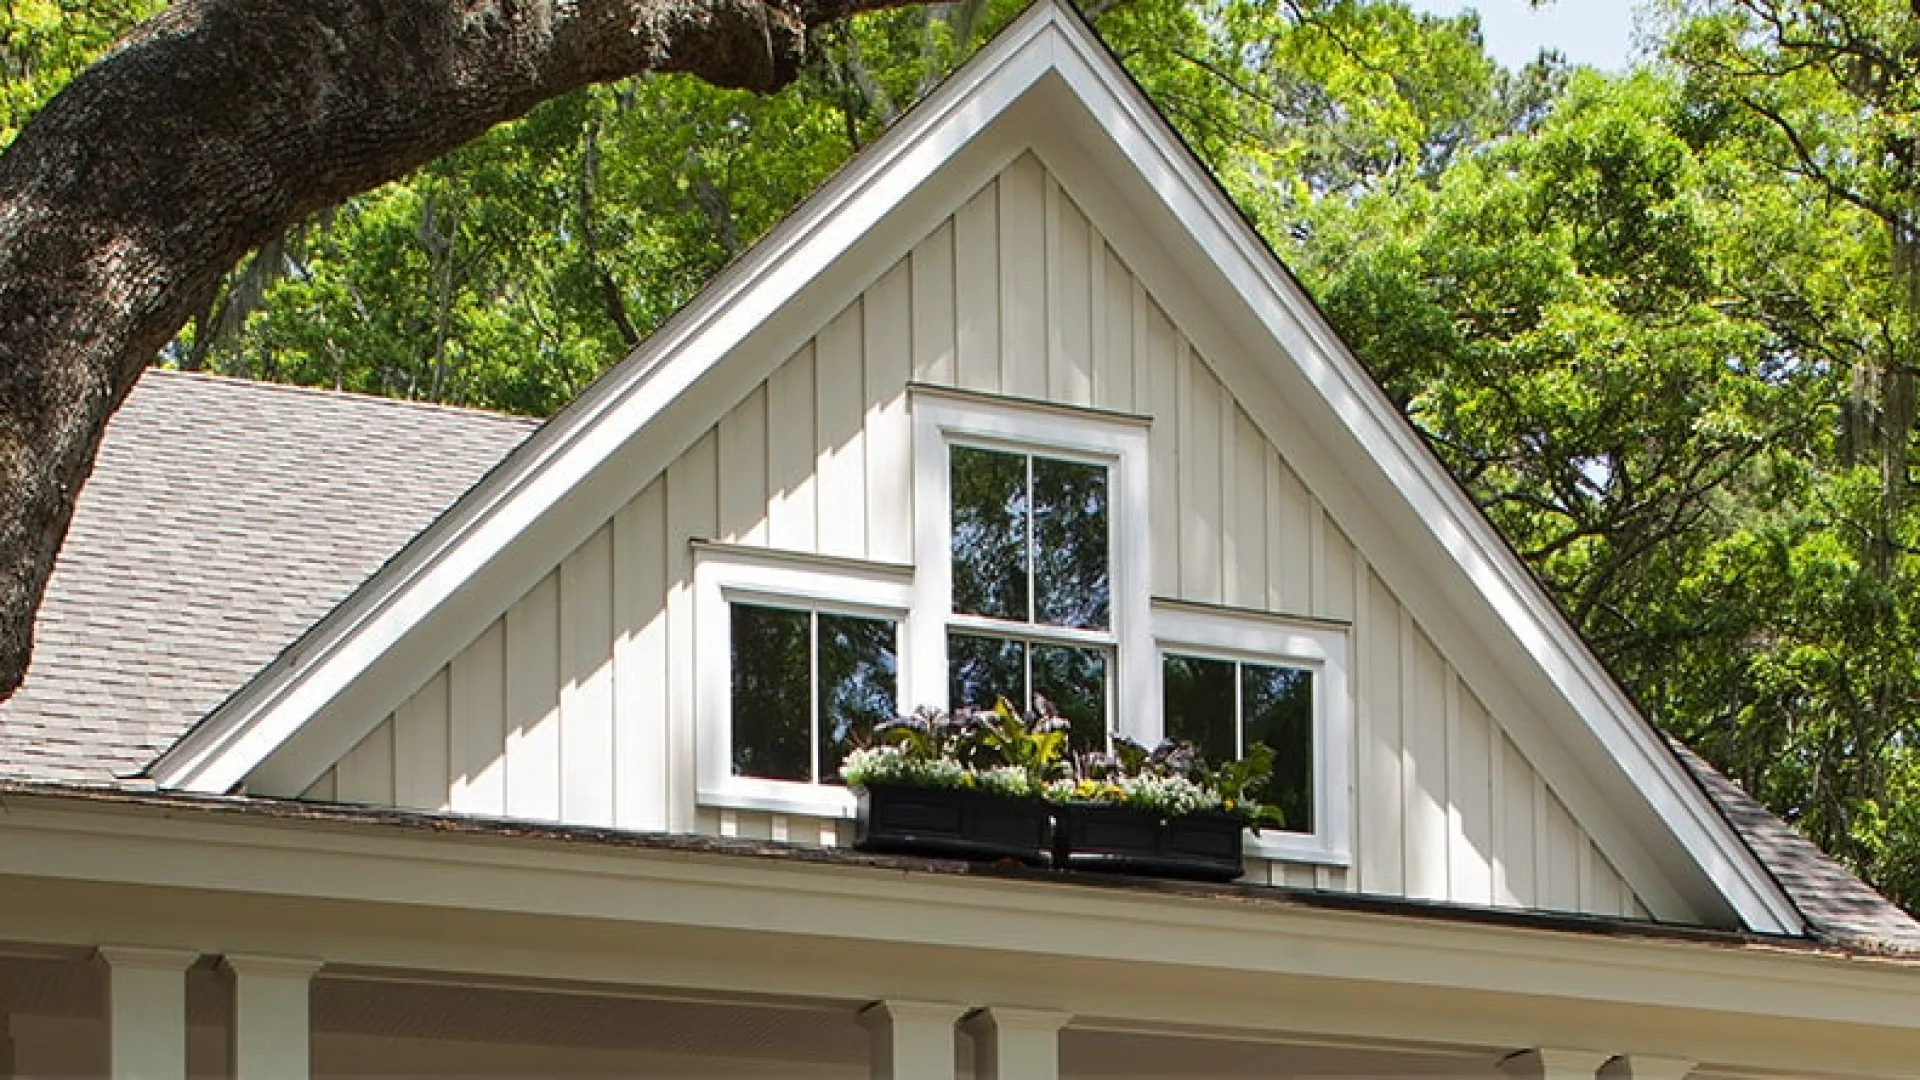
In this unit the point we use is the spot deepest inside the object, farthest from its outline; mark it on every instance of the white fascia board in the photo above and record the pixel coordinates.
(265, 714)
(1395, 448)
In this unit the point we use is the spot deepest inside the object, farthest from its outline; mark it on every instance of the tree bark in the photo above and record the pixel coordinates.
(215, 125)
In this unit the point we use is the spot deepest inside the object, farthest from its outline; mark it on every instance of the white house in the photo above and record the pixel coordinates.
(376, 739)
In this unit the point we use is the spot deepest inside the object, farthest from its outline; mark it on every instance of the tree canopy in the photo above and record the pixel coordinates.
(1659, 322)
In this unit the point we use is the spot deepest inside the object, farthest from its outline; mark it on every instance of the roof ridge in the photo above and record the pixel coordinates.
(357, 396)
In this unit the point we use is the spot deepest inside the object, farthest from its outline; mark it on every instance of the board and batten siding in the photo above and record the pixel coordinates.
(577, 705)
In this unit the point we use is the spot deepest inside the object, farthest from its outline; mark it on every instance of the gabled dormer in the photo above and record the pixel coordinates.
(1016, 404)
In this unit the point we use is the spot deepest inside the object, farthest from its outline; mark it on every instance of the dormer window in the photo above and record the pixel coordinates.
(1030, 579)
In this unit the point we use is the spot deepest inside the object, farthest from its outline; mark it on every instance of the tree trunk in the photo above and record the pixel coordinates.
(215, 125)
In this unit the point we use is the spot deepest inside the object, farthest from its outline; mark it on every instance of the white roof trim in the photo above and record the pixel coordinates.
(377, 620)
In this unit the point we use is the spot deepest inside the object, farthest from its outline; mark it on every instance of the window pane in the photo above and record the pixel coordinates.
(772, 715)
(989, 533)
(857, 685)
(1277, 704)
(1070, 543)
(1198, 698)
(982, 670)
(1075, 680)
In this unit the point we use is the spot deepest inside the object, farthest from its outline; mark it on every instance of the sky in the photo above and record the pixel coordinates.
(1595, 32)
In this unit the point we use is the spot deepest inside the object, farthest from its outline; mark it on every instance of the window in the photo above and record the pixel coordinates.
(1022, 586)
(1224, 706)
(1030, 550)
(805, 685)
(1233, 678)
(798, 658)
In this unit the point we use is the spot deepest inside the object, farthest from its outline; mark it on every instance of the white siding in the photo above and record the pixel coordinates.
(577, 705)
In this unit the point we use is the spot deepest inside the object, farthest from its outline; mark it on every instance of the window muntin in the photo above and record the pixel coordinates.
(805, 686)
(1222, 706)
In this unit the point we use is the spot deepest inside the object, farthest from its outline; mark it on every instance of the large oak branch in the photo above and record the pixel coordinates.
(218, 123)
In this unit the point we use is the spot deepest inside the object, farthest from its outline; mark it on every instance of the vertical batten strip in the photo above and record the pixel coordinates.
(640, 661)
(586, 690)
(976, 291)
(422, 747)
(365, 774)
(889, 435)
(477, 703)
(533, 703)
(790, 454)
(1023, 279)
(841, 483)
(743, 471)
(692, 512)
(933, 307)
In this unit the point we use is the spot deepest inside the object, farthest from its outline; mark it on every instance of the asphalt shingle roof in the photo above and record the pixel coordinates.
(223, 518)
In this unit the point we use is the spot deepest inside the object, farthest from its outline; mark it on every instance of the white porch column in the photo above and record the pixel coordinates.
(271, 1016)
(147, 1012)
(911, 1040)
(1642, 1067)
(1016, 1044)
(1550, 1064)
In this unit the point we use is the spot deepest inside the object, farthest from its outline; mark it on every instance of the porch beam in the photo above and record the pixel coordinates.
(1016, 1044)
(911, 1040)
(147, 1012)
(1545, 1063)
(1643, 1067)
(272, 1016)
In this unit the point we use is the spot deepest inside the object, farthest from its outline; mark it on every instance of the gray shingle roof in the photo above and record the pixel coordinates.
(223, 518)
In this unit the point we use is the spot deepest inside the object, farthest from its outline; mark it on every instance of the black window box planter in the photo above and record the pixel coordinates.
(1129, 840)
(952, 823)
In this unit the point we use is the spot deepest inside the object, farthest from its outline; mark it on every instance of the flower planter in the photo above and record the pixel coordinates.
(1129, 840)
(953, 823)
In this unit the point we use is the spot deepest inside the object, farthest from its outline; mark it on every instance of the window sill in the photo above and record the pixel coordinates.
(1295, 848)
(776, 797)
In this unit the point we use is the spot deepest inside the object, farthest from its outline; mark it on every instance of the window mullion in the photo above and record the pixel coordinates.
(1033, 607)
(1239, 710)
(813, 695)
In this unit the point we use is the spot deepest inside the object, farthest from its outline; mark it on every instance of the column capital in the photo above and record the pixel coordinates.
(896, 1010)
(911, 1040)
(1002, 1018)
(1547, 1063)
(272, 967)
(1645, 1067)
(146, 958)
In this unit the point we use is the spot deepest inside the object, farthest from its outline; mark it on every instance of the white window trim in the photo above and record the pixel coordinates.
(942, 418)
(725, 573)
(1270, 639)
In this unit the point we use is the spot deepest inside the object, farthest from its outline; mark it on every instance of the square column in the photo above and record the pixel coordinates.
(1642, 1067)
(1016, 1044)
(1549, 1064)
(271, 1016)
(911, 1040)
(147, 1012)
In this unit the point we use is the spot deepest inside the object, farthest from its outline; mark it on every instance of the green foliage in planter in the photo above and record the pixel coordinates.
(994, 750)
(1171, 779)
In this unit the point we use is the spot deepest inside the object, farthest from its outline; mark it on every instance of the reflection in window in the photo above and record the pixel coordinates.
(982, 669)
(806, 686)
(1029, 538)
(1223, 706)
